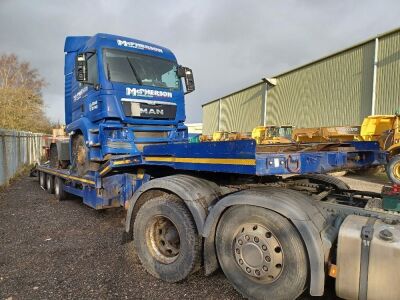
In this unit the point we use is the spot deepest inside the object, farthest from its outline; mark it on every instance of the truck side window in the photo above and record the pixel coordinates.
(93, 74)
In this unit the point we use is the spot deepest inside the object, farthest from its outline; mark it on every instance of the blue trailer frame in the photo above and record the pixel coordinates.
(117, 180)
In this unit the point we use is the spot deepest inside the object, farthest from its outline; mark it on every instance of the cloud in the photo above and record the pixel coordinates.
(228, 44)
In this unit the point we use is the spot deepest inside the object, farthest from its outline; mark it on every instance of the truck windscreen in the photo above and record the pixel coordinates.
(128, 67)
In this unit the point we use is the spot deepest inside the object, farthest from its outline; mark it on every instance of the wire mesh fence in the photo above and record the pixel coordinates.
(17, 149)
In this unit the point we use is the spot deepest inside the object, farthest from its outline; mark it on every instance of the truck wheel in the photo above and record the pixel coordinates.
(50, 184)
(42, 180)
(261, 253)
(393, 169)
(80, 155)
(166, 239)
(59, 189)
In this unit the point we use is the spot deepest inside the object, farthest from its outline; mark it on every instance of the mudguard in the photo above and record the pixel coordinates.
(301, 210)
(197, 193)
(83, 124)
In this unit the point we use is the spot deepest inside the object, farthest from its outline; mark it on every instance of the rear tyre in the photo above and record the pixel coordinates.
(50, 184)
(393, 169)
(166, 239)
(42, 180)
(59, 189)
(261, 253)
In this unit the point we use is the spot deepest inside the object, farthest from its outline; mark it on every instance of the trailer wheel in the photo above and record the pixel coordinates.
(42, 180)
(59, 189)
(393, 169)
(50, 184)
(261, 253)
(166, 239)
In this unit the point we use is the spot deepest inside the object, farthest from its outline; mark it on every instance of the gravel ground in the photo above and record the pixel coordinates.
(51, 249)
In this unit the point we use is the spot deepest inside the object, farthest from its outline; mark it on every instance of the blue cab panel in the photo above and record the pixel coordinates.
(133, 95)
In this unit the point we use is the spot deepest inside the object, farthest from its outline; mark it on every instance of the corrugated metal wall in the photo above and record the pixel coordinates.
(18, 149)
(334, 91)
(242, 111)
(210, 117)
(388, 75)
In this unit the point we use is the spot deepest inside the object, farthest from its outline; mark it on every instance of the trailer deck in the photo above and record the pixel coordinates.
(116, 180)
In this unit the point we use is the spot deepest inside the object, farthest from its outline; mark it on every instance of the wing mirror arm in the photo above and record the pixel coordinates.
(187, 74)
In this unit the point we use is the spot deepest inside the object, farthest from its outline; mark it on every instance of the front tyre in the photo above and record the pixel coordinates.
(80, 155)
(261, 253)
(166, 239)
(393, 169)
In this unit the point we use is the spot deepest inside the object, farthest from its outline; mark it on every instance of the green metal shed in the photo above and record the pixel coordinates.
(338, 89)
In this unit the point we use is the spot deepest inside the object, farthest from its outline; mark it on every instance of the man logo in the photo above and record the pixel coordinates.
(151, 111)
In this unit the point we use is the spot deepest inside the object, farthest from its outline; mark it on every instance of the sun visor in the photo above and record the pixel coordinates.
(74, 43)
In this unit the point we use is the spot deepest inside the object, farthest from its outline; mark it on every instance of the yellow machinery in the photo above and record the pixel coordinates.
(326, 134)
(272, 134)
(385, 129)
(219, 136)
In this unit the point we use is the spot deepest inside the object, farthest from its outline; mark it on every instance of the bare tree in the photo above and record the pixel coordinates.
(21, 102)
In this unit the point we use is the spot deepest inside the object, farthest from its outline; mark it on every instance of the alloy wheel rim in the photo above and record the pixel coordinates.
(258, 253)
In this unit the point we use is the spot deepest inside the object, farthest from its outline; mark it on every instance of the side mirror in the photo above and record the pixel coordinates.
(81, 70)
(189, 79)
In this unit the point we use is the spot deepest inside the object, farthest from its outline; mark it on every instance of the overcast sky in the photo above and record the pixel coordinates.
(228, 44)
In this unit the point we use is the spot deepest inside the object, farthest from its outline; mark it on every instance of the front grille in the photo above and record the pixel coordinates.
(151, 134)
(149, 109)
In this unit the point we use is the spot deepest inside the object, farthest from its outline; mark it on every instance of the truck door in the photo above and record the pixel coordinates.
(86, 102)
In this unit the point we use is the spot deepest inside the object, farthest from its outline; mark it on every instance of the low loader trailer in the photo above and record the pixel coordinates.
(267, 215)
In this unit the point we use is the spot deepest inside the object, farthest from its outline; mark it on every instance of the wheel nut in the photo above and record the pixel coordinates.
(241, 261)
(247, 237)
(264, 247)
(257, 272)
(248, 270)
(256, 239)
(265, 268)
(237, 251)
(240, 242)
(268, 259)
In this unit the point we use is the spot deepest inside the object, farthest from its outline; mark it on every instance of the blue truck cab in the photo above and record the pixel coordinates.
(120, 95)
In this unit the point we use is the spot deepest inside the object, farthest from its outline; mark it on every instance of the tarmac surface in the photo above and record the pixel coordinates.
(65, 250)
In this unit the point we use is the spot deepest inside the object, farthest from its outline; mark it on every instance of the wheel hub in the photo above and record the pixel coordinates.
(164, 240)
(258, 252)
(396, 170)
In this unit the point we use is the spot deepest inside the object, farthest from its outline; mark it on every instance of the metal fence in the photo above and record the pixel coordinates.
(17, 149)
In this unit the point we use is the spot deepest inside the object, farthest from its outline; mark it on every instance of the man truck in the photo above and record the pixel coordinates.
(201, 206)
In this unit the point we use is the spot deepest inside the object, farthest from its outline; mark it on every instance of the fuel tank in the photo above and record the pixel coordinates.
(368, 259)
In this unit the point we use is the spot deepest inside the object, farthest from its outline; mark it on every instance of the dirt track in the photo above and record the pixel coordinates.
(51, 249)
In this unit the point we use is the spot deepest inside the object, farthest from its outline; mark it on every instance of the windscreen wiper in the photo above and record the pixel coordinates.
(134, 72)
